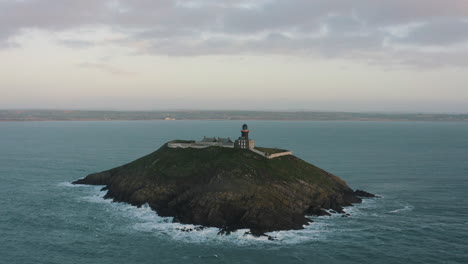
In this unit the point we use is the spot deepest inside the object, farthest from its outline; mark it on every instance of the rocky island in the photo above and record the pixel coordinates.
(228, 185)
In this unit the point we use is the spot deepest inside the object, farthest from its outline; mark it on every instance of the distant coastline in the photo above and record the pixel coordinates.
(93, 115)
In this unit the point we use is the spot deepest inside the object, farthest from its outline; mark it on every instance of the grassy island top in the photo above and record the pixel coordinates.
(191, 164)
(270, 150)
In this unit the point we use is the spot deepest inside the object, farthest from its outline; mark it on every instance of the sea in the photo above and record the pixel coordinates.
(420, 170)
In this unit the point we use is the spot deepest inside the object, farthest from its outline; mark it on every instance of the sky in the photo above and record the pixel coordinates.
(291, 55)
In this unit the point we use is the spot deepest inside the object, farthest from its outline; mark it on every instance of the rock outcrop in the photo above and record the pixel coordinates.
(227, 188)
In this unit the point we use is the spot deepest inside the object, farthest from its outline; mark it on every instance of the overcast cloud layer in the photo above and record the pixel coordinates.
(415, 32)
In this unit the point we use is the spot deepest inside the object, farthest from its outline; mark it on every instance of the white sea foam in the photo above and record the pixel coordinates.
(148, 221)
(365, 208)
(96, 197)
(144, 219)
(69, 184)
(406, 208)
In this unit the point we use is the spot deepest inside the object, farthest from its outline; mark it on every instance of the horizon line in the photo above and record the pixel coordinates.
(181, 110)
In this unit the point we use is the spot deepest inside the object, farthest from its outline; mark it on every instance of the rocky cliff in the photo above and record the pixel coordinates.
(227, 188)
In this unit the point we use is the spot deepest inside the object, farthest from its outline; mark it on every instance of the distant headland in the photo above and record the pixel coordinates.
(84, 115)
(231, 185)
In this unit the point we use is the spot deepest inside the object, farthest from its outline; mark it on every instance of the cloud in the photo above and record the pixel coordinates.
(295, 27)
(439, 33)
(76, 43)
(105, 67)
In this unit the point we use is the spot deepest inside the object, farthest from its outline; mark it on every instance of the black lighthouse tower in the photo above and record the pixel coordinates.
(245, 132)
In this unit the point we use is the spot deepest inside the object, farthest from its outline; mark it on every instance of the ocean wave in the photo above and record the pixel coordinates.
(367, 207)
(406, 208)
(69, 184)
(97, 198)
(144, 219)
(195, 234)
(149, 221)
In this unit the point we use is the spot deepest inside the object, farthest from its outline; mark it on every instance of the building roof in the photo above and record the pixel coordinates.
(218, 139)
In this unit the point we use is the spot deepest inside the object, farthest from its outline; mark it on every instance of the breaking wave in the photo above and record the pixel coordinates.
(144, 219)
(406, 208)
(68, 184)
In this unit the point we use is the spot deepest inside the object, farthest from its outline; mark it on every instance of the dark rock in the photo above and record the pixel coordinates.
(323, 213)
(199, 228)
(362, 193)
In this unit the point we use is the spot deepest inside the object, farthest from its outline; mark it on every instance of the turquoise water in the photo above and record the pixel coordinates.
(421, 170)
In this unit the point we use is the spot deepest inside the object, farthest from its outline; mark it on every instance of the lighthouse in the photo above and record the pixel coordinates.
(245, 132)
(243, 141)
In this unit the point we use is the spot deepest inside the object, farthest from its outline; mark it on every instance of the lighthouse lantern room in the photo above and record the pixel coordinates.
(243, 141)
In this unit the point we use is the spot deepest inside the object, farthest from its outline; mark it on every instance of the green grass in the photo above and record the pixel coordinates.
(270, 150)
(195, 165)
